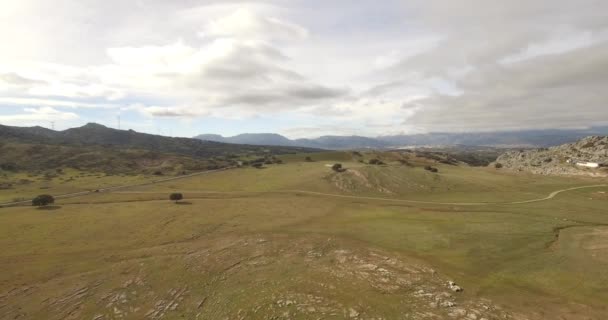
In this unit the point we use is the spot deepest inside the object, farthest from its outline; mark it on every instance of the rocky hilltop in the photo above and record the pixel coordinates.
(560, 160)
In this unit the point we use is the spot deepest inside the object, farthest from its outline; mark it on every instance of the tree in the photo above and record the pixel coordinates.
(43, 200)
(176, 197)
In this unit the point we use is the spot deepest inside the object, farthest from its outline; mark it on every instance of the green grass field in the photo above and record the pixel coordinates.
(252, 244)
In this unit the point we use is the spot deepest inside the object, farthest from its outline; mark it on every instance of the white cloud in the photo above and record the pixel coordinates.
(34, 116)
(14, 79)
(245, 23)
(369, 67)
(20, 101)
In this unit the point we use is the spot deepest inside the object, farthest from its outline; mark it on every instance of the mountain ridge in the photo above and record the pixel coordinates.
(96, 134)
(509, 139)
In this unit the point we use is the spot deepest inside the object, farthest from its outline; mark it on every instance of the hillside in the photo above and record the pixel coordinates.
(302, 241)
(268, 139)
(521, 139)
(95, 134)
(560, 159)
(44, 158)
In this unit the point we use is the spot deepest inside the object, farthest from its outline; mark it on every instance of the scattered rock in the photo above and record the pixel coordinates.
(454, 287)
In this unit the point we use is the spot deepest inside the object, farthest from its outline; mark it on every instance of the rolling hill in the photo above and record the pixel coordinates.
(99, 135)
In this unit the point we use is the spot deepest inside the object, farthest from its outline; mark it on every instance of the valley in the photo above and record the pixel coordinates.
(298, 240)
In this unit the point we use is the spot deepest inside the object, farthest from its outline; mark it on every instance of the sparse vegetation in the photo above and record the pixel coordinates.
(357, 230)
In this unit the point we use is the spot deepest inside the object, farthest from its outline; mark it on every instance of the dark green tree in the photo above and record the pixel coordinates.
(176, 197)
(43, 200)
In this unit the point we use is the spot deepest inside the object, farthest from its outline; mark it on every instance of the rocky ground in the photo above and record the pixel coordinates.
(554, 160)
(258, 277)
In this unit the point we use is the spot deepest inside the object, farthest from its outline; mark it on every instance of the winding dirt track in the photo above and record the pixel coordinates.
(550, 196)
(313, 193)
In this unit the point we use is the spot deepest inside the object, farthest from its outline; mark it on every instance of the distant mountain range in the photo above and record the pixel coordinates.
(524, 138)
(95, 134)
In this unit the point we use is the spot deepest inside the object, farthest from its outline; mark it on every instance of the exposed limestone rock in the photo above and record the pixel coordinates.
(559, 160)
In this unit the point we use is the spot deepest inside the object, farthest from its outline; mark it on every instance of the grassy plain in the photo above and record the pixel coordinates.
(251, 244)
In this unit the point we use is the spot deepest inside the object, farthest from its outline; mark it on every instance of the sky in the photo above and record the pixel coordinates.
(304, 68)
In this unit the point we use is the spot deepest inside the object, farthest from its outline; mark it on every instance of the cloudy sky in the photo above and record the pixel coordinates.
(304, 68)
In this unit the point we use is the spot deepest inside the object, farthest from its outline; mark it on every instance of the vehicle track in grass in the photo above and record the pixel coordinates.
(306, 192)
(314, 193)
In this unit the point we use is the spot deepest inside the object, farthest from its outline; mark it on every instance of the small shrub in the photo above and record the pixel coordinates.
(308, 159)
(498, 165)
(8, 166)
(337, 167)
(376, 162)
(431, 169)
(43, 200)
(176, 197)
(404, 162)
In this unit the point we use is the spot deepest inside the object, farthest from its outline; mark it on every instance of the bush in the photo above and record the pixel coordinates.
(404, 162)
(309, 159)
(43, 200)
(431, 169)
(498, 165)
(258, 165)
(176, 197)
(376, 161)
(337, 167)
(8, 166)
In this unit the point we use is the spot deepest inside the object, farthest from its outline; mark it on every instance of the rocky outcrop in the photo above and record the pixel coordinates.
(560, 160)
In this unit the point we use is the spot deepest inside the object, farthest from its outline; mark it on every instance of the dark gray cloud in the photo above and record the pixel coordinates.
(516, 64)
